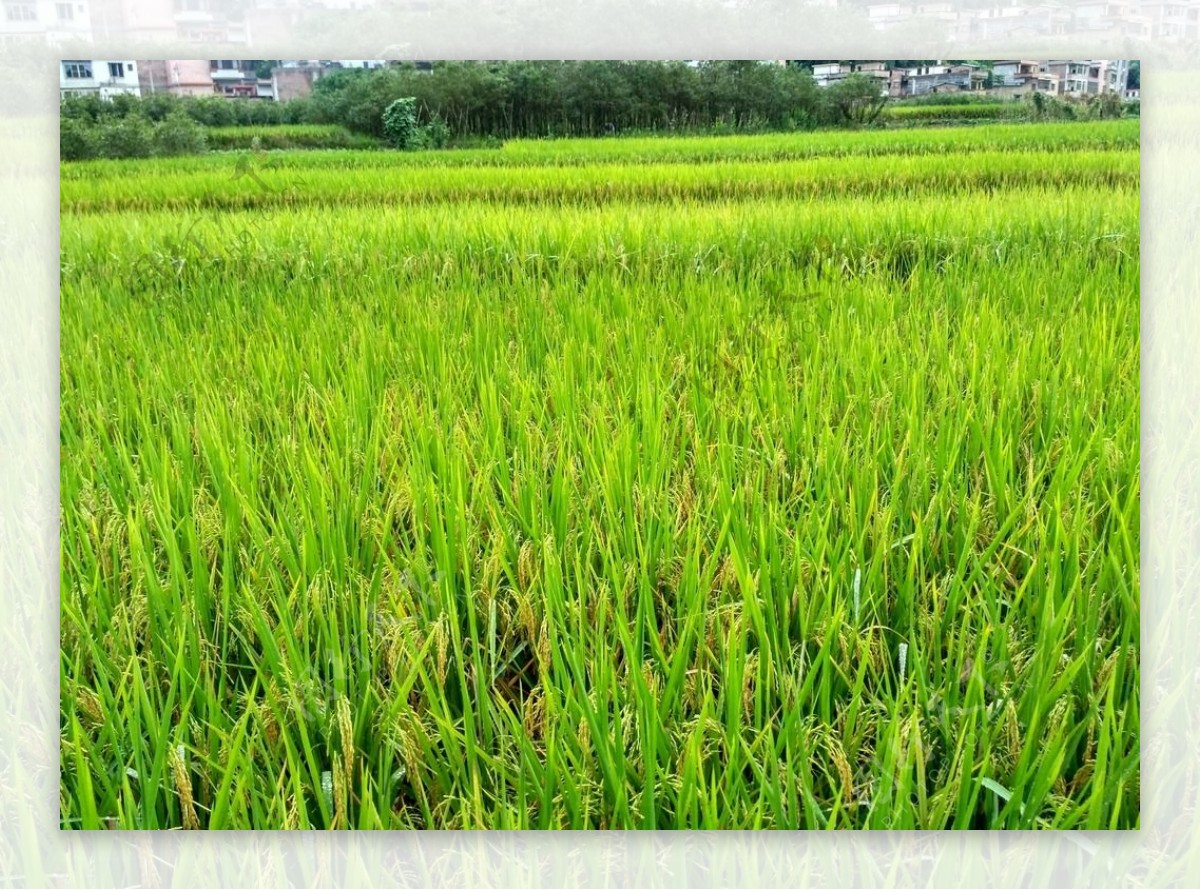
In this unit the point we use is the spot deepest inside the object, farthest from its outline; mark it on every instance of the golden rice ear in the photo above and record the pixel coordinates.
(345, 725)
(177, 758)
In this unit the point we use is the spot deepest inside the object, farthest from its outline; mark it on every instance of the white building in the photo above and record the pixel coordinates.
(1089, 77)
(56, 21)
(359, 63)
(99, 77)
(830, 73)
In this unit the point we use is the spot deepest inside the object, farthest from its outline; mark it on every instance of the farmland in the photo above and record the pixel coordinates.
(783, 481)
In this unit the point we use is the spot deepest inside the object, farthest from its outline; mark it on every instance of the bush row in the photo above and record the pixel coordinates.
(286, 136)
(134, 136)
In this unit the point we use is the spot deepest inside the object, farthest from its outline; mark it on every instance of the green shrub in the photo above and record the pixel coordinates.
(287, 136)
(178, 134)
(297, 111)
(1109, 105)
(400, 124)
(967, 98)
(1043, 107)
(437, 132)
(854, 102)
(127, 137)
(159, 106)
(77, 140)
(213, 111)
(88, 108)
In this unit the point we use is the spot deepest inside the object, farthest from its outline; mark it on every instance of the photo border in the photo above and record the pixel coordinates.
(35, 852)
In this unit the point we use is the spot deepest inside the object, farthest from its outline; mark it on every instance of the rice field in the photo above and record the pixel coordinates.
(741, 482)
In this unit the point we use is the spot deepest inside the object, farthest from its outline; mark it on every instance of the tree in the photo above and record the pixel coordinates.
(1134, 81)
(400, 124)
(1039, 105)
(1109, 105)
(857, 100)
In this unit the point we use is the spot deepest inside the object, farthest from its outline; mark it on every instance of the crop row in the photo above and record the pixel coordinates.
(980, 111)
(817, 178)
(1092, 136)
(725, 238)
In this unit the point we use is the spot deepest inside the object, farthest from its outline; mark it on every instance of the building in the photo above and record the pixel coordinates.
(1089, 77)
(178, 77)
(136, 21)
(1163, 21)
(210, 21)
(831, 72)
(1015, 78)
(888, 15)
(1104, 20)
(1012, 22)
(1178, 20)
(1015, 75)
(828, 73)
(231, 78)
(877, 70)
(239, 79)
(294, 79)
(356, 63)
(1114, 75)
(997, 22)
(56, 21)
(940, 78)
(901, 82)
(84, 77)
(884, 16)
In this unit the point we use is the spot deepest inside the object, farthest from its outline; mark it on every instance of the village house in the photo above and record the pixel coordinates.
(833, 72)
(84, 77)
(925, 79)
(178, 77)
(1015, 78)
(56, 21)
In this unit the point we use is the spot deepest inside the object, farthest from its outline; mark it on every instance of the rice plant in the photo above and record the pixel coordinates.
(672, 489)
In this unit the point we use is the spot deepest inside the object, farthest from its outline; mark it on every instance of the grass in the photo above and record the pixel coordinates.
(602, 497)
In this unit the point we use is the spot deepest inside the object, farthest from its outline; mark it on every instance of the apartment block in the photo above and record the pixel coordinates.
(103, 78)
(56, 21)
(179, 77)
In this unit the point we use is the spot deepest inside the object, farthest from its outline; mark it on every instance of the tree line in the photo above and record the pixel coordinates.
(506, 100)
(472, 103)
(477, 102)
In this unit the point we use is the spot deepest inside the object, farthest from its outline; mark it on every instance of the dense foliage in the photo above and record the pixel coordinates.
(784, 481)
(130, 136)
(471, 103)
(287, 136)
(400, 124)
